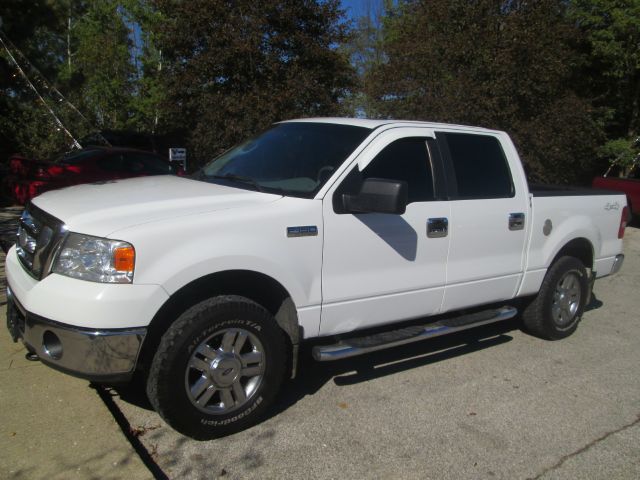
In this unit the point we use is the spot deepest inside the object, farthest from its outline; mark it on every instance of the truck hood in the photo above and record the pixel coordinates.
(102, 208)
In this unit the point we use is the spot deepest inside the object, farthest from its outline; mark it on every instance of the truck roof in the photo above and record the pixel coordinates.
(373, 124)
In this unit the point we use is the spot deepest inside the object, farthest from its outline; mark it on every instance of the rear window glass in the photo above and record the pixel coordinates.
(77, 156)
(480, 166)
(137, 163)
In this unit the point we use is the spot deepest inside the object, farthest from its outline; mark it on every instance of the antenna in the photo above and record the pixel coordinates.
(4, 40)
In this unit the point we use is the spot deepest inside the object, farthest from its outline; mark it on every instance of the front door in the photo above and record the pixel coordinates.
(381, 268)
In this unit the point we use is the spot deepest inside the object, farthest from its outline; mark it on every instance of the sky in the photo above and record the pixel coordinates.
(354, 8)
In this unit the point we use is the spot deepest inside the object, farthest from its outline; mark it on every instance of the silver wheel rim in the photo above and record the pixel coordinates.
(225, 371)
(566, 299)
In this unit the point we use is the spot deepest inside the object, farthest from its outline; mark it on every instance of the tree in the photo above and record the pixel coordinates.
(102, 69)
(233, 68)
(365, 52)
(25, 122)
(100, 56)
(506, 65)
(612, 32)
(611, 70)
(144, 22)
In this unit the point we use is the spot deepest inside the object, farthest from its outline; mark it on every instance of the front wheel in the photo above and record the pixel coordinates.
(217, 368)
(558, 307)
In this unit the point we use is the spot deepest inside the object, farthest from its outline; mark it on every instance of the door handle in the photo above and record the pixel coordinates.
(437, 227)
(516, 221)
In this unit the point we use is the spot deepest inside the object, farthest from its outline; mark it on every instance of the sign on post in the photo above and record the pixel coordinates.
(178, 155)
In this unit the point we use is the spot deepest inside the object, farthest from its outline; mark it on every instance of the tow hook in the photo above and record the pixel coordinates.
(32, 356)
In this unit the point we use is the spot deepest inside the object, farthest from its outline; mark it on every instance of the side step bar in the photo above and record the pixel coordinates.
(379, 341)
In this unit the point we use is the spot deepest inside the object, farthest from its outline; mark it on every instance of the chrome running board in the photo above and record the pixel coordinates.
(392, 338)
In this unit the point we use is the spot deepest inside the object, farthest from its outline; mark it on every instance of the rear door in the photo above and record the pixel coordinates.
(487, 221)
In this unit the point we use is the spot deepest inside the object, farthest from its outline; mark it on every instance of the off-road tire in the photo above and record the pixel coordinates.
(166, 386)
(538, 317)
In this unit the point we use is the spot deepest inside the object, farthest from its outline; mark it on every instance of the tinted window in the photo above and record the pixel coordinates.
(148, 164)
(297, 158)
(111, 163)
(77, 156)
(405, 160)
(481, 169)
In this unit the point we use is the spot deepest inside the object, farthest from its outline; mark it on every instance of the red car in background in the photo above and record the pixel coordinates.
(28, 178)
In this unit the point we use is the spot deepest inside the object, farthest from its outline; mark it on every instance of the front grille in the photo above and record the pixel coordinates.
(38, 235)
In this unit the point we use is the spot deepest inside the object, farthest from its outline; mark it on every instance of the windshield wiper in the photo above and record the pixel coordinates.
(239, 178)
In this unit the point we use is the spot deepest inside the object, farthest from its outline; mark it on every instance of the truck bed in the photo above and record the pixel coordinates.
(545, 190)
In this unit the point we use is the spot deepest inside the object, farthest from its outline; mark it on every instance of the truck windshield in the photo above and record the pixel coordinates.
(290, 158)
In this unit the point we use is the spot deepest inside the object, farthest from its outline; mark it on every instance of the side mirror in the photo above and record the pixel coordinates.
(378, 195)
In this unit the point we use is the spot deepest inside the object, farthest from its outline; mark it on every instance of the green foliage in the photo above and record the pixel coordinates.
(563, 77)
(611, 30)
(234, 68)
(84, 49)
(506, 65)
(146, 104)
(102, 62)
(620, 152)
(27, 24)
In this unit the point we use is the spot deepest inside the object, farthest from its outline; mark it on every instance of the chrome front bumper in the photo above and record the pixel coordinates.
(97, 355)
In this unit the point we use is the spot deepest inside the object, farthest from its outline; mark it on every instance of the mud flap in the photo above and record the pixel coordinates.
(592, 281)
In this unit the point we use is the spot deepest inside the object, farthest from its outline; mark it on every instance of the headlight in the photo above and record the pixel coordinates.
(96, 259)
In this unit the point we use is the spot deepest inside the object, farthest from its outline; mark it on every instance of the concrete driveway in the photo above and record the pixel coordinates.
(489, 403)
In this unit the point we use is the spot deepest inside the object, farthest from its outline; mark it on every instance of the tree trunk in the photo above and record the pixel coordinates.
(69, 41)
(634, 121)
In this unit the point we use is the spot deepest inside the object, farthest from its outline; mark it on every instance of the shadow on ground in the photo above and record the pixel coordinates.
(312, 375)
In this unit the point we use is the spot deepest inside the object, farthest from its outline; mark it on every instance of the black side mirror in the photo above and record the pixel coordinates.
(378, 195)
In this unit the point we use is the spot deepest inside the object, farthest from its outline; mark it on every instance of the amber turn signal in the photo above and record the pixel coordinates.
(124, 259)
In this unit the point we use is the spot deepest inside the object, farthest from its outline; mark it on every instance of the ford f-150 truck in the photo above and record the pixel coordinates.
(357, 234)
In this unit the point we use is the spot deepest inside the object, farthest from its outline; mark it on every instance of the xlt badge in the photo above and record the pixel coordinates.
(304, 231)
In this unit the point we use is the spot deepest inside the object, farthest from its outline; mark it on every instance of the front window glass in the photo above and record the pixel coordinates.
(290, 158)
(406, 160)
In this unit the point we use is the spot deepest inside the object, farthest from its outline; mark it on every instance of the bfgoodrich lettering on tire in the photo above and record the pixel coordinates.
(558, 307)
(218, 367)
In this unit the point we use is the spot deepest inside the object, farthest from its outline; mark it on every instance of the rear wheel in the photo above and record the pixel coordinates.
(217, 368)
(559, 305)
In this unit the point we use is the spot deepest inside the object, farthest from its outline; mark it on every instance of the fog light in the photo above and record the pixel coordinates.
(52, 345)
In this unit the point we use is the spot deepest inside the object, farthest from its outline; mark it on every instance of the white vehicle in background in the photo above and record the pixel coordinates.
(352, 233)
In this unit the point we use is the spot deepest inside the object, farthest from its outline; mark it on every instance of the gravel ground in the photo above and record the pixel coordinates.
(489, 403)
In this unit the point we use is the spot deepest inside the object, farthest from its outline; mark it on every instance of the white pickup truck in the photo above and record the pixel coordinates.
(358, 234)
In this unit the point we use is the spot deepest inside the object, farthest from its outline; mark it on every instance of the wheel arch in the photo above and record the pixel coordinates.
(261, 288)
(580, 248)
